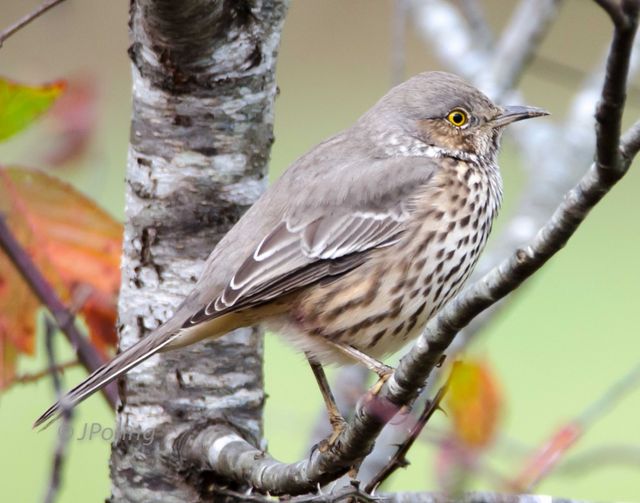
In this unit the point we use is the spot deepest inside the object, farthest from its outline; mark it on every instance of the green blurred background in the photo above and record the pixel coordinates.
(563, 341)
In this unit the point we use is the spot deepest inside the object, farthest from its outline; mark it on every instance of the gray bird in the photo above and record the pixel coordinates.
(359, 243)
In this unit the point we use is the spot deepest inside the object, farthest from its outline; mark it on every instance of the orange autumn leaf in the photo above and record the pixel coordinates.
(8, 356)
(99, 310)
(74, 243)
(17, 316)
(20, 104)
(474, 402)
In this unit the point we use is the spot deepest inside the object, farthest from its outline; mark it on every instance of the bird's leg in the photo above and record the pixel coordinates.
(335, 418)
(383, 371)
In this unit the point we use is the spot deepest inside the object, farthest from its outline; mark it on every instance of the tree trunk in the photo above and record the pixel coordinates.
(201, 130)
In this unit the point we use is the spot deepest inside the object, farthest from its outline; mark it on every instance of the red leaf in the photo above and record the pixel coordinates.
(75, 244)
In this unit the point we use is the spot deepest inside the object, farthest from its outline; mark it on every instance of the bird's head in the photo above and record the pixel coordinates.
(442, 110)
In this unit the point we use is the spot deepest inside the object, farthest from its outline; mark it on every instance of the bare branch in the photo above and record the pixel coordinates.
(547, 457)
(352, 494)
(64, 429)
(392, 435)
(25, 20)
(611, 106)
(631, 141)
(613, 9)
(398, 460)
(600, 457)
(476, 497)
(435, 21)
(87, 354)
(495, 71)
(478, 26)
(517, 45)
(36, 376)
(510, 274)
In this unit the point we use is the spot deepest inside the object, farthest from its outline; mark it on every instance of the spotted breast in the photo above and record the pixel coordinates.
(387, 301)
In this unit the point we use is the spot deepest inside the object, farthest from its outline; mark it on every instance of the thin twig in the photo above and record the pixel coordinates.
(610, 397)
(88, 356)
(435, 21)
(631, 142)
(600, 457)
(494, 71)
(64, 428)
(517, 45)
(547, 457)
(399, 460)
(478, 26)
(36, 376)
(25, 20)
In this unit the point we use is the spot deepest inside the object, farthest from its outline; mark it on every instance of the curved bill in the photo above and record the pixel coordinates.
(517, 113)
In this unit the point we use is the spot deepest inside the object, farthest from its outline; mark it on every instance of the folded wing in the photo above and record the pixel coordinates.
(295, 255)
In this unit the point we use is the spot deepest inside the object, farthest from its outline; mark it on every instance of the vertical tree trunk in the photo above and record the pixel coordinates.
(201, 130)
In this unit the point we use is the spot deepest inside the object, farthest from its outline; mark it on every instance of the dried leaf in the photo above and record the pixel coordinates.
(75, 244)
(474, 402)
(20, 105)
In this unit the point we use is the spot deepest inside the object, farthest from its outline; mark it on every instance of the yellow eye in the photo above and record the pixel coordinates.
(458, 117)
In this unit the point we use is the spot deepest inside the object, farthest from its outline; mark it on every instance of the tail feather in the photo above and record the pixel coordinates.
(111, 370)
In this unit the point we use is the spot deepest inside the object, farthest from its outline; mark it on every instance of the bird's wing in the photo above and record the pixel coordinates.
(295, 255)
(292, 255)
(322, 218)
(293, 236)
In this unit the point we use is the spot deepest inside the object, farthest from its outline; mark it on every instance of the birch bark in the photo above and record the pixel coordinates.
(201, 131)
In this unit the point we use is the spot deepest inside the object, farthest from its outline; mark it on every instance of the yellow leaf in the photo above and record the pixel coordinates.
(20, 105)
(474, 402)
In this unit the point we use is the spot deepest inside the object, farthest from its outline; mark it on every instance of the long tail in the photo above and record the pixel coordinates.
(111, 370)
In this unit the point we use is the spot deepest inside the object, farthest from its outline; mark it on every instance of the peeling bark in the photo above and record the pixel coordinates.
(201, 131)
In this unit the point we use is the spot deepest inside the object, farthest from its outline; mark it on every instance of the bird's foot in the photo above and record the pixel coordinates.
(384, 373)
(338, 425)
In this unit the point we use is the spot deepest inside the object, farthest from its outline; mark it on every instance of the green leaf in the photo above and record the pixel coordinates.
(20, 105)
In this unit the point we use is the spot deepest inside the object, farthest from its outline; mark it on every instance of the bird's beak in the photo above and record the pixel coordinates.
(515, 113)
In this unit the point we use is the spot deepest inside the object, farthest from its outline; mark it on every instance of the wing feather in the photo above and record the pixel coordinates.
(291, 238)
(291, 257)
